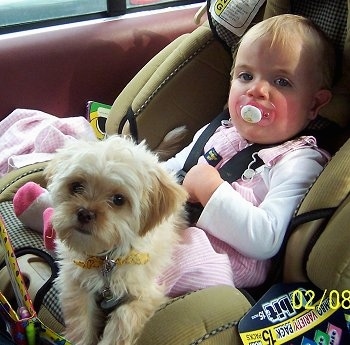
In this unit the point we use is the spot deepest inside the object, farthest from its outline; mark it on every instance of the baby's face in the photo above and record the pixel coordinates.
(281, 83)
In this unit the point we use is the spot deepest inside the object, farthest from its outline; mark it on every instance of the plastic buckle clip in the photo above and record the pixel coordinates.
(180, 175)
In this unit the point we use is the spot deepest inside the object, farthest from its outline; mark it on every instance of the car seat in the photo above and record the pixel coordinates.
(187, 84)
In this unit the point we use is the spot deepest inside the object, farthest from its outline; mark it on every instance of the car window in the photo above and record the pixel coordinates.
(18, 15)
(14, 12)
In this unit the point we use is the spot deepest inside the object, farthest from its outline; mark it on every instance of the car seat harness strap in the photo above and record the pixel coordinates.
(131, 118)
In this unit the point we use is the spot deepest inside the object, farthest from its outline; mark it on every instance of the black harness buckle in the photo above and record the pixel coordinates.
(180, 175)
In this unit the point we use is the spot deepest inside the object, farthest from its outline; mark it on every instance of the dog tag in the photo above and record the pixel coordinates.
(108, 266)
(106, 293)
(108, 304)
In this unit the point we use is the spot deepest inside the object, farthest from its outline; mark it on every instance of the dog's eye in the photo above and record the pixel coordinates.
(118, 199)
(77, 188)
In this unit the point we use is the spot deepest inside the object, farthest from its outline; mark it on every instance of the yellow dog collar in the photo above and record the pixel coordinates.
(133, 258)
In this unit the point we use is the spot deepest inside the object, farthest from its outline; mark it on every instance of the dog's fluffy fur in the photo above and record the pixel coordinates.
(111, 197)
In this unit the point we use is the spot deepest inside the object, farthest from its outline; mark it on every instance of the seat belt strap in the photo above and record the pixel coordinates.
(197, 149)
(130, 117)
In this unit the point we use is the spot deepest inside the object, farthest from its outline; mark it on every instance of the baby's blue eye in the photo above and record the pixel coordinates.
(282, 82)
(245, 76)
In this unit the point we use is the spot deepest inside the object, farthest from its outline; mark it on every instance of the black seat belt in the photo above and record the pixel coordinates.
(197, 149)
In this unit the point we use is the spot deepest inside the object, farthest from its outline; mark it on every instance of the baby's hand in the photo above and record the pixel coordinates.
(201, 182)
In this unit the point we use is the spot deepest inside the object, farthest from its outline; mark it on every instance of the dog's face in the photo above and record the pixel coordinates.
(107, 193)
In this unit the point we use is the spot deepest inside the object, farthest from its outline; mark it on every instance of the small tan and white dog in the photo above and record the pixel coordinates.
(117, 215)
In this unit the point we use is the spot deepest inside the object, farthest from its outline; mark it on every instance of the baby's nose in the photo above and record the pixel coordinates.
(259, 89)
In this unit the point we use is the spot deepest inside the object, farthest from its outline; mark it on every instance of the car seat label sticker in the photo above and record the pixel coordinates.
(235, 15)
(212, 157)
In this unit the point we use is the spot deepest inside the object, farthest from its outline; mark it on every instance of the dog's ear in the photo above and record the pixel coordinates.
(57, 164)
(165, 197)
(51, 169)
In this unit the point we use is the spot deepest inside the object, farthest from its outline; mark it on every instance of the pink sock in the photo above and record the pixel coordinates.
(29, 204)
(49, 234)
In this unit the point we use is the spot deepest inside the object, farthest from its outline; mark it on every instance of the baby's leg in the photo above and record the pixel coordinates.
(32, 206)
(29, 204)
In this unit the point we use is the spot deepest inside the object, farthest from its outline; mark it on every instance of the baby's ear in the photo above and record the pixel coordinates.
(321, 98)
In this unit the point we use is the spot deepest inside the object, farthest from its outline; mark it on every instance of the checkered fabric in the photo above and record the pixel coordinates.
(22, 237)
(230, 39)
(330, 16)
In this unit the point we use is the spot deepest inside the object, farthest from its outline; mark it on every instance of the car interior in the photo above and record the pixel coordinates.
(159, 71)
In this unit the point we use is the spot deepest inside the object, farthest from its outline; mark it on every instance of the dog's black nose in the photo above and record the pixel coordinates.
(85, 216)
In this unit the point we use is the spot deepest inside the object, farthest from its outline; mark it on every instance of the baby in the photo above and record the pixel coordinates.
(281, 78)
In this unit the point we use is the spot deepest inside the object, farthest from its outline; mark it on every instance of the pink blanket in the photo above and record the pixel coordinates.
(31, 136)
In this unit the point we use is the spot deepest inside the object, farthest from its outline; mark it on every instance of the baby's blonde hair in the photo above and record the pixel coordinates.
(283, 29)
